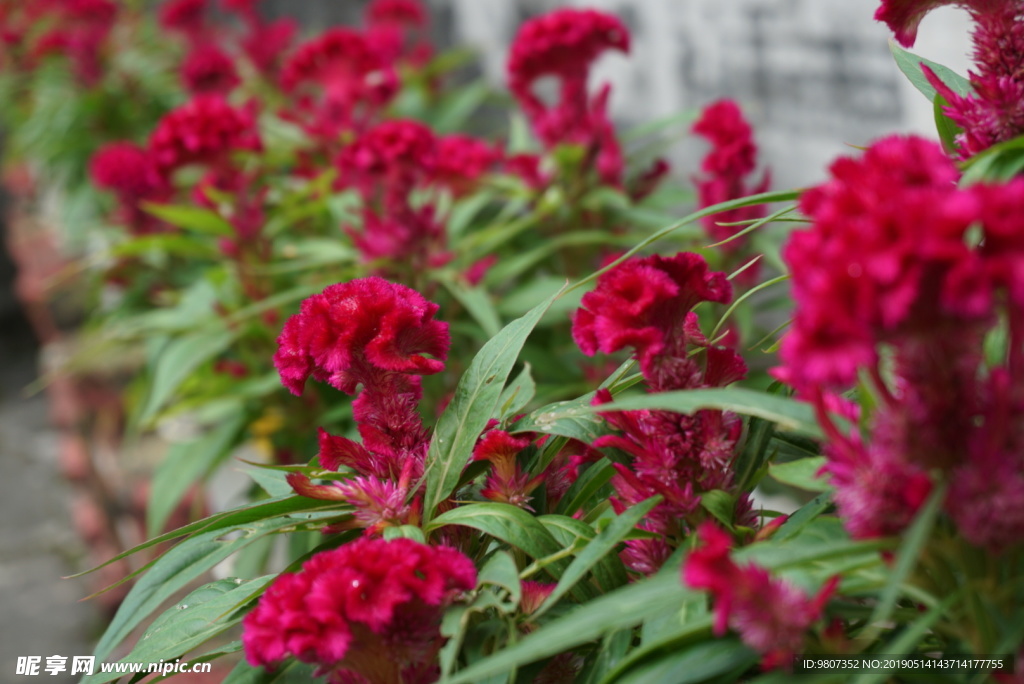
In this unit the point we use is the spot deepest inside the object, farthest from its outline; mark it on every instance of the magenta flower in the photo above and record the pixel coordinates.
(206, 130)
(208, 69)
(187, 17)
(460, 162)
(645, 304)
(896, 224)
(341, 82)
(994, 111)
(904, 16)
(732, 158)
(507, 482)
(367, 611)
(353, 332)
(564, 44)
(397, 29)
(129, 171)
(770, 615)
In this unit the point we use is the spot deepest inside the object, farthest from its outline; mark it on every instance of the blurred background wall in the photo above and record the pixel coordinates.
(813, 75)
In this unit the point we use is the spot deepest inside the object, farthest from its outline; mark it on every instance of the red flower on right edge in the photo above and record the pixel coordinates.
(994, 111)
(892, 290)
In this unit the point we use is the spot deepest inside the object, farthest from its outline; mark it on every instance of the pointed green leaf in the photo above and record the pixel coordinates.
(910, 65)
(176, 362)
(475, 402)
(508, 523)
(200, 616)
(191, 218)
(183, 465)
(789, 414)
(601, 545)
(802, 474)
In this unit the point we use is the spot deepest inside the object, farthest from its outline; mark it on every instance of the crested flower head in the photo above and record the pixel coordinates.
(564, 44)
(126, 169)
(369, 609)
(771, 615)
(887, 230)
(461, 160)
(340, 79)
(266, 43)
(206, 130)
(733, 157)
(185, 16)
(208, 69)
(904, 16)
(993, 110)
(354, 330)
(644, 304)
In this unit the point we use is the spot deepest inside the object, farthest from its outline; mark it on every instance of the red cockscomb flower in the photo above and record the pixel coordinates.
(353, 330)
(643, 303)
(564, 44)
(369, 609)
(208, 69)
(206, 130)
(726, 167)
(770, 615)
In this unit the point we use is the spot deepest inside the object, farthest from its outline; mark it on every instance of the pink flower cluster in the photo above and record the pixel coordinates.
(994, 111)
(726, 168)
(386, 164)
(206, 131)
(564, 44)
(128, 170)
(340, 81)
(76, 29)
(771, 615)
(891, 285)
(368, 611)
(646, 304)
(376, 334)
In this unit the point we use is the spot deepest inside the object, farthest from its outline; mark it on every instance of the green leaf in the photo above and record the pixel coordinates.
(508, 523)
(749, 201)
(804, 516)
(719, 504)
(200, 616)
(243, 515)
(477, 303)
(620, 609)
(700, 663)
(517, 394)
(910, 636)
(910, 65)
(573, 419)
(501, 571)
(596, 476)
(175, 363)
(182, 466)
(601, 545)
(179, 566)
(946, 127)
(460, 106)
(906, 558)
(789, 414)
(475, 402)
(167, 243)
(802, 474)
(191, 218)
(406, 531)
